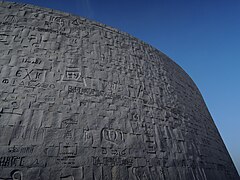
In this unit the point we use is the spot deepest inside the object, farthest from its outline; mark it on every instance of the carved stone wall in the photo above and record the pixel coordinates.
(81, 100)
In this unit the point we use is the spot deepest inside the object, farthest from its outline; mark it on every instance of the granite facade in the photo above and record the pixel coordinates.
(81, 100)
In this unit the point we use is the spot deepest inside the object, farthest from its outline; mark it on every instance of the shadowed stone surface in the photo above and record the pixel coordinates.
(81, 100)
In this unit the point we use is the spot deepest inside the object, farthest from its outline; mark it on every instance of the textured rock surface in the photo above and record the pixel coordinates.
(80, 100)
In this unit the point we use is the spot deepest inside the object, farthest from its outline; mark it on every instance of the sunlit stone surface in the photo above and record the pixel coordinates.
(81, 100)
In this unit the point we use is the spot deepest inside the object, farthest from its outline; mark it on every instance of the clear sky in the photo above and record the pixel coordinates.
(202, 36)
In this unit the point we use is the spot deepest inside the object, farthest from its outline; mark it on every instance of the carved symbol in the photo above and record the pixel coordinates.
(59, 21)
(18, 73)
(104, 151)
(38, 75)
(10, 18)
(97, 161)
(28, 74)
(11, 161)
(135, 117)
(28, 149)
(112, 161)
(69, 122)
(75, 22)
(112, 135)
(32, 74)
(118, 152)
(31, 61)
(49, 98)
(72, 74)
(68, 134)
(17, 175)
(87, 137)
(5, 81)
(14, 104)
(66, 160)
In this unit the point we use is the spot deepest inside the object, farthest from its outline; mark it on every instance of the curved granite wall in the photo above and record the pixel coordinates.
(81, 100)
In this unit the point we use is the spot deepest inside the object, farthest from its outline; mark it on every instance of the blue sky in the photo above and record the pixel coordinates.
(202, 36)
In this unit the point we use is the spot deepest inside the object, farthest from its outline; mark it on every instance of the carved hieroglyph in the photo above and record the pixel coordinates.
(81, 100)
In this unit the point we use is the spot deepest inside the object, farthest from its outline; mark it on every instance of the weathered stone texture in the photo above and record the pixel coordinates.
(81, 100)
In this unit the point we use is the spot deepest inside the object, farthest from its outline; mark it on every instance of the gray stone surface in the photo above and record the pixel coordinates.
(81, 100)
